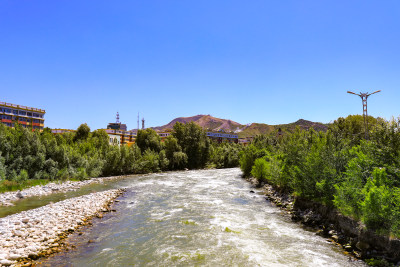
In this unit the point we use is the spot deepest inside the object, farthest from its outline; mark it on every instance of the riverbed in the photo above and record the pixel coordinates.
(197, 218)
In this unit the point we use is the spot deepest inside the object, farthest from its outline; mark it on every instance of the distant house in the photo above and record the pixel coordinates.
(123, 137)
(164, 135)
(221, 136)
(114, 139)
(60, 131)
(118, 134)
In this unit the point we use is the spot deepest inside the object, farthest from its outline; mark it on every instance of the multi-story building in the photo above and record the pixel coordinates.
(27, 117)
(114, 139)
(60, 131)
(164, 135)
(221, 136)
(123, 137)
(244, 141)
(117, 126)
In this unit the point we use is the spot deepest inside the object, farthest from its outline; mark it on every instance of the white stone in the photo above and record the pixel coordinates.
(14, 256)
(6, 262)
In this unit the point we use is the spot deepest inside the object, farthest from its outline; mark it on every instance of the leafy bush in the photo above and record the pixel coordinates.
(23, 176)
(361, 178)
(81, 174)
(260, 169)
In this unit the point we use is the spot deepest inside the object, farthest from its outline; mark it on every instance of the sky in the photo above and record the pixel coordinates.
(262, 61)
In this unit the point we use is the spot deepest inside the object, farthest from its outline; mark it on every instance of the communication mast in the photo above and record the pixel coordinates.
(138, 121)
(142, 123)
(117, 117)
(364, 97)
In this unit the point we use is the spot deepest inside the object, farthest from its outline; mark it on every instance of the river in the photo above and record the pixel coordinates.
(197, 218)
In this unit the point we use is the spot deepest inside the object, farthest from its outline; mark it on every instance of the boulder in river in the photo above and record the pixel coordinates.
(20, 195)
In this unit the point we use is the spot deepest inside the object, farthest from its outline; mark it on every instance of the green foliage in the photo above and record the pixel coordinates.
(396, 212)
(163, 160)
(361, 178)
(27, 155)
(148, 139)
(81, 174)
(260, 169)
(82, 133)
(23, 176)
(2, 169)
(7, 185)
(225, 155)
(194, 143)
(149, 162)
(63, 174)
(247, 158)
(179, 161)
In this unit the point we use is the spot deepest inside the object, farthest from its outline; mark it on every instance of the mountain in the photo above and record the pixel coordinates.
(215, 124)
(206, 122)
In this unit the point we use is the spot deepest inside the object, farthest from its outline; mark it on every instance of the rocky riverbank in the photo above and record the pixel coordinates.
(7, 198)
(346, 232)
(39, 232)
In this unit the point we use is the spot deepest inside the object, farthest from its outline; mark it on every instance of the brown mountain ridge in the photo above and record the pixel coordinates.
(211, 123)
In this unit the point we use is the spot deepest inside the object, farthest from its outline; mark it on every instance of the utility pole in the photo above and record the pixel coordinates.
(364, 97)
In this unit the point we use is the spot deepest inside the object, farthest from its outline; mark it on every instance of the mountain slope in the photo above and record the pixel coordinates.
(205, 121)
(216, 124)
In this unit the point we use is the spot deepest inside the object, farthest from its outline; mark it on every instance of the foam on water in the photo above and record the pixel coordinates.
(206, 218)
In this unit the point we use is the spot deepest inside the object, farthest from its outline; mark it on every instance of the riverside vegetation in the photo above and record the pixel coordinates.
(338, 168)
(30, 158)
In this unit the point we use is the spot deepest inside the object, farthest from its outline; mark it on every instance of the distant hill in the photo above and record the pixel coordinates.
(208, 122)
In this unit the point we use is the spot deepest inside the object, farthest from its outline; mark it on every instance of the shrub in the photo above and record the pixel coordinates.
(260, 170)
(23, 176)
(81, 174)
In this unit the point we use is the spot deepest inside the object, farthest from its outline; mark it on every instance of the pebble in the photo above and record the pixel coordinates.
(7, 198)
(6, 262)
(19, 240)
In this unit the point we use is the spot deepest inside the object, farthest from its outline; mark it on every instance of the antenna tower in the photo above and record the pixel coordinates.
(142, 123)
(117, 117)
(138, 121)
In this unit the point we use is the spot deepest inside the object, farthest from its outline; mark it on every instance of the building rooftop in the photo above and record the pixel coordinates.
(21, 107)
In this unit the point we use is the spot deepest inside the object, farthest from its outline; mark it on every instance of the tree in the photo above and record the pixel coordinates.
(260, 170)
(82, 133)
(148, 139)
(194, 143)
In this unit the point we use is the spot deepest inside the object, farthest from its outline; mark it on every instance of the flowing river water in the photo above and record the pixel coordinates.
(197, 218)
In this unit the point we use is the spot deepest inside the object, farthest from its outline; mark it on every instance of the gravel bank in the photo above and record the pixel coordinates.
(7, 198)
(39, 232)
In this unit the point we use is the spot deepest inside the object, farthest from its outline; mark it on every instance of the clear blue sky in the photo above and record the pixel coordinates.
(249, 61)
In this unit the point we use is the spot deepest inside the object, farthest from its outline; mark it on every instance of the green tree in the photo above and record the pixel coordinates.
(148, 139)
(82, 133)
(194, 143)
(260, 170)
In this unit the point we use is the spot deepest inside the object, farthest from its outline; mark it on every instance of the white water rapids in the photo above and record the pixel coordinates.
(198, 218)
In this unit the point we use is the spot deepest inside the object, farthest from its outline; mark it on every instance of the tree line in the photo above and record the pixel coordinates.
(27, 155)
(339, 168)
